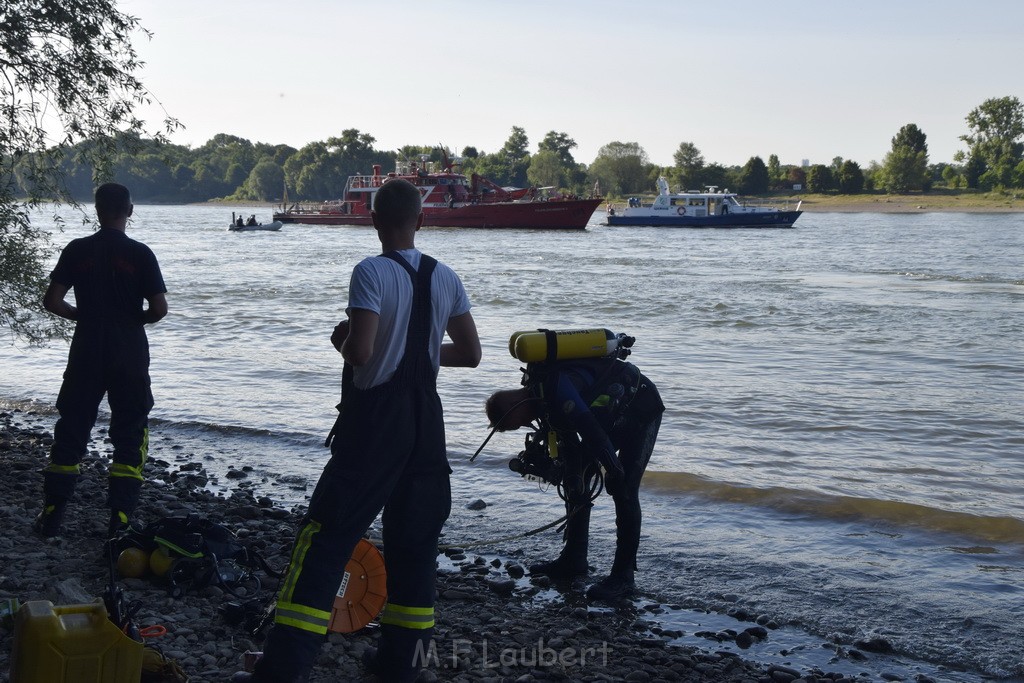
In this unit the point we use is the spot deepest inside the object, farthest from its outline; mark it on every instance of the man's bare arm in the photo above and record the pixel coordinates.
(362, 331)
(54, 302)
(157, 308)
(464, 349)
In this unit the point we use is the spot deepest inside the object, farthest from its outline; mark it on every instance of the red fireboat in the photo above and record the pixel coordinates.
(451, 199)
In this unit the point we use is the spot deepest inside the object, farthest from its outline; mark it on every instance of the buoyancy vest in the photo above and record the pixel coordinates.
(607, 386)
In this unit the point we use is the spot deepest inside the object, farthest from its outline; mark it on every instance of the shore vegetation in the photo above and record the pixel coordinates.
(69, 122)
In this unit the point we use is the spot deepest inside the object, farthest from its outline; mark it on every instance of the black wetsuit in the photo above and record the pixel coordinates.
(612, 408)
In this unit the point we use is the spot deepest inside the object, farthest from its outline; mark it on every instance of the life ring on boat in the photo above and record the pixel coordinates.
(681, 210)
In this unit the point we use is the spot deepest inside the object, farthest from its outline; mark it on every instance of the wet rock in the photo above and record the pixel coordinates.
(477, 504)
(515, 571)
(877, 645)
(740, 614)
(476, 605)
(502, 586)
(757, 632)
(744, 640)
(783, 674)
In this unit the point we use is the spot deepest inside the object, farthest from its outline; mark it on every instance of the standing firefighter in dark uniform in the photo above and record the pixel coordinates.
(387, 452)
(603, 415)
(111, 275)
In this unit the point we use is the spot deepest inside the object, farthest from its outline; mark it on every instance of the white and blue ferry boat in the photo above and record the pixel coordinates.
(707, 209)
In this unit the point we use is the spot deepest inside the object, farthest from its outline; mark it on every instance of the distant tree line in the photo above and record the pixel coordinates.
(69, 122)
(230, 167)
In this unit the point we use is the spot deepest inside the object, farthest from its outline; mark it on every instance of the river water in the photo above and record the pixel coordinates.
(843, 447)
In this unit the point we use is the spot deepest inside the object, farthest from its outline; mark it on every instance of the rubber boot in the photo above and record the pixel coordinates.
(572, 561)
(118, 523)
(612, 588)
(401, 653)
(288, 656)
(58, 489)
(48, 523)
(620, 583)
(123, 497)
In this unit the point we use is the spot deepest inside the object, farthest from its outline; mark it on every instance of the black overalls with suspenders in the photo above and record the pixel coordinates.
(388, 452)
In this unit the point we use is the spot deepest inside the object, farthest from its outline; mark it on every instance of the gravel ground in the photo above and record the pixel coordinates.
(490, 624)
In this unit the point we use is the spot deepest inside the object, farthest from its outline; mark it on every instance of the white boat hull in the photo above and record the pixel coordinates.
(752, 219)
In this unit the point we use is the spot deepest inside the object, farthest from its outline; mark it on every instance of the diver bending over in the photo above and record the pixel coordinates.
(597, 407)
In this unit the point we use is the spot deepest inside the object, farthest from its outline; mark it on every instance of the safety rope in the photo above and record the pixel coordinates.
(489, 541)
(492, 541)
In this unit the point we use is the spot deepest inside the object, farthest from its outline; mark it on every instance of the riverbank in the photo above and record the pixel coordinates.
(938, 201)
(492, 623)
(931, 202)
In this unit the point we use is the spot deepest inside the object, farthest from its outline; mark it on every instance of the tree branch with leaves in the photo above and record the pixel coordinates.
(67, 75)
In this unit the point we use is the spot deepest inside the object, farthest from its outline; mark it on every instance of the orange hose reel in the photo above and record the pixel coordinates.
(363, 590)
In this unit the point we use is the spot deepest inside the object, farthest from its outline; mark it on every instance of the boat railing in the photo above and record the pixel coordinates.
(361, 181)
(330, 206)
(782, 203)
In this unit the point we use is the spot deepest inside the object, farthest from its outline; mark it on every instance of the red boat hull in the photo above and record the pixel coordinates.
(567, 214)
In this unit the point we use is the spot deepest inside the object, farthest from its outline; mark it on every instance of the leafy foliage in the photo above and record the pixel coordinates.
(547, 170)
(573, 175)
(688, 164)
(561, 144)
(622, 168)
(67, 70)
(753, 178)
(508, 166)
(997, 127)
(774, 171)
(911, 137)
(905, 168)
(265, 182)
(320, 169)
(849, 178)
(819, 179)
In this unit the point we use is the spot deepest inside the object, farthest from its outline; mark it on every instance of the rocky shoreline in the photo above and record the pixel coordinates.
(490, 624)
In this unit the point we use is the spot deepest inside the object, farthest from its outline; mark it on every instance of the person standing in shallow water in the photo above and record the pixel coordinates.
(387, 452)
(111, 275)
(606, 414)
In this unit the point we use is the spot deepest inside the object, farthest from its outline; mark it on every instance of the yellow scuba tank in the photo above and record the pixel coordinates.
(532, 346)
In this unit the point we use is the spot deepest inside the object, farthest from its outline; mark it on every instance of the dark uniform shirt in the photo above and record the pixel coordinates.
(111, 274)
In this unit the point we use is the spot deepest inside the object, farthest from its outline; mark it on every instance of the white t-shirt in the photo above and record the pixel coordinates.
(380, 285)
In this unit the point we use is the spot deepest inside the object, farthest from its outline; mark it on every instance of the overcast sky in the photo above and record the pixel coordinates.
(803, 79)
